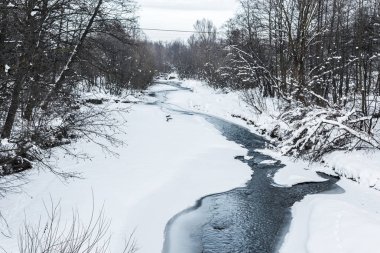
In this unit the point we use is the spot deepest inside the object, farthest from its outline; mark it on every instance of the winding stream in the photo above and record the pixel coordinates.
(251, 219)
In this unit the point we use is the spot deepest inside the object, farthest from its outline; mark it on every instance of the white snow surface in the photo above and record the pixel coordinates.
(362, 166)
(268, 162)
(164, 168)
(7, 68)
(336, 223)
(220, 103)
(295, 171)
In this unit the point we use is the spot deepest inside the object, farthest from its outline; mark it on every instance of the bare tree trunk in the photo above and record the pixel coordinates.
(15, 102)
(22, 70)
(3, 30)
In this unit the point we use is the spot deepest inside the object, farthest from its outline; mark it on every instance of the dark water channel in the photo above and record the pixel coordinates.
(251, 219)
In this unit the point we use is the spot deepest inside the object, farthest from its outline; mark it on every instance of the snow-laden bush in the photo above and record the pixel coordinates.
(317, 123)
(33, 142)
(315, 131)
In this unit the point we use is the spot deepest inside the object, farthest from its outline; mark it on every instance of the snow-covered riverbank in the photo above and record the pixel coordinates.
(345, 222)
(361, 166)
(164, 168)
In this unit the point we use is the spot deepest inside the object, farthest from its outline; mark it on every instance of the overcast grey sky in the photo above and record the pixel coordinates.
(181, 15)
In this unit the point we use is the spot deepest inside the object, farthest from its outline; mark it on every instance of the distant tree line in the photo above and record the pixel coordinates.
(314, 55)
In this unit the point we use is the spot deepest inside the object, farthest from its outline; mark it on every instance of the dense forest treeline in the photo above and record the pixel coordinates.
(321, 58)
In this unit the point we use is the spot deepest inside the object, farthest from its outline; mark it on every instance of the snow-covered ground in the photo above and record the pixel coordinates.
(336, 223)
(221, 104)
(164, 168)
(361, 166)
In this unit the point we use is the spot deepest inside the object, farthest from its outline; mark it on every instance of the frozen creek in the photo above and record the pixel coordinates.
(189, 180)
(248, 219)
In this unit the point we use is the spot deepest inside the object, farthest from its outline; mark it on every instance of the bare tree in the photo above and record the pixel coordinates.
(318, 55)
(54, 235)
(54, 50)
